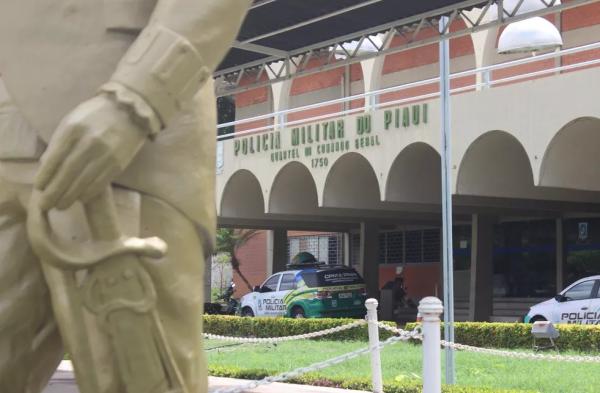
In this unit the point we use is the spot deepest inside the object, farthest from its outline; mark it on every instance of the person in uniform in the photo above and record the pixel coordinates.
(98, 93)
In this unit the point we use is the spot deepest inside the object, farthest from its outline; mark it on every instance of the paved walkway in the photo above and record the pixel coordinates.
(63, 381)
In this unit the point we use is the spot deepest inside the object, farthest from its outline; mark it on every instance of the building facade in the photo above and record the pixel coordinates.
(360, 178)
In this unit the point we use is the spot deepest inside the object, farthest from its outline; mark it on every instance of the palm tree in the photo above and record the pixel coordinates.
(229, 241)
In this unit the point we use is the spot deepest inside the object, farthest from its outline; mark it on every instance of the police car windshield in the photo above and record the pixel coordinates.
(330, 277)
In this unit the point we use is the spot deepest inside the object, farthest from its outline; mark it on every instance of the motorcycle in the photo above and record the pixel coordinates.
(225, 305)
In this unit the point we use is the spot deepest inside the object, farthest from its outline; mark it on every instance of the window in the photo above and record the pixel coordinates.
(580, 291)
(327, 248)
(391, 247)
(395, 247)
(431, 245)
(524, 258)
(582, 243)
(409, 246)
(225, 114)
(288, 282)
(271, 284)
(335, 249)
(414, 246)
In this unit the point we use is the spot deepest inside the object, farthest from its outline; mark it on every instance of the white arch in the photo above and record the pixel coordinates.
(242, 196)
(572, 159)
(415, 175)
(351, 182)
(293, 190)
(496, 164)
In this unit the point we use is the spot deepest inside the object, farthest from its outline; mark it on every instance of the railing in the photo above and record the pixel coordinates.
(278, 119)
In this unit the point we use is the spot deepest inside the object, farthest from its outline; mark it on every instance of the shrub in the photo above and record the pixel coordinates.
(226, 325)
(581, 338)
(354, 383)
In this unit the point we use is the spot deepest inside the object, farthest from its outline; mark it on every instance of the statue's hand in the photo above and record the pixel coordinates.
(91, 146)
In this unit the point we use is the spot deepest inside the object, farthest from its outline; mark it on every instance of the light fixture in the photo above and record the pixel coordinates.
(529, 35)
(544, 330)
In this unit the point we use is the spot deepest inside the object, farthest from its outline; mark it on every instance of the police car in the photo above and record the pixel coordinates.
(308, 290)
(579, 303)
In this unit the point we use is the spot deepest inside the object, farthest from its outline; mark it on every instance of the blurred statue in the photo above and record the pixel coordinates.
(107, 152)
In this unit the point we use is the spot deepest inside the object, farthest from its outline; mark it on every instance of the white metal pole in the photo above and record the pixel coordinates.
(430, 309)
(377, 379)
(447, 199)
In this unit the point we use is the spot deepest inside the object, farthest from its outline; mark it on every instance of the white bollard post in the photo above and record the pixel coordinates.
(430, 309)
(377, 379)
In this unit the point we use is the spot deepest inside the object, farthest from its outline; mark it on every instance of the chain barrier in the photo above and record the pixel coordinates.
(399, 335)
(396, 330)
(304, 336)
(500, 352)
(522, 355)
(407, 335)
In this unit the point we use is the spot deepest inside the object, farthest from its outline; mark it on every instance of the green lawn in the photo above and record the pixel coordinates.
(402, 361)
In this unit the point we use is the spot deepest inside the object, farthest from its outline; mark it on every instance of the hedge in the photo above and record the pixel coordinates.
(580, 338)
(354, 383)
(226, 325)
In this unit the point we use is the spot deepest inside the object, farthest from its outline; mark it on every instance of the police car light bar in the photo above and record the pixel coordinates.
(306, 265)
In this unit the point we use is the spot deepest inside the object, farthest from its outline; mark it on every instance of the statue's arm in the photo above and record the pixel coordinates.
(180, 48)
(173, 56)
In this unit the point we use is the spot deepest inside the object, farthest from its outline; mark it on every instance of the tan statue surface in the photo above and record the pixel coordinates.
(107, 145)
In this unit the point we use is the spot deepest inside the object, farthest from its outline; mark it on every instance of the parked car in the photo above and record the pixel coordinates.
(309, 291)
(578, 303)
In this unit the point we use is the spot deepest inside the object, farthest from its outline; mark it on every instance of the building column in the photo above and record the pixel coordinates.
(481, 295)
(369, 257)
(276, 251)
(346, 240)
(281, 91)
(484, 45)
(560, 255)
(371, 69)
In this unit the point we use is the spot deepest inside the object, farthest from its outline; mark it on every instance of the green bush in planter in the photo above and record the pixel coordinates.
(581, 338)
(226, 325)
(354, 383)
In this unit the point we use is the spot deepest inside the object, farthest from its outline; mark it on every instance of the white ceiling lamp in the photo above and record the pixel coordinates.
(529, 35)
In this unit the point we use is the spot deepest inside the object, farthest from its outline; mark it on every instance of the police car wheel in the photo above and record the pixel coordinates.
(297, 312)
(537, 318)
(247, 312)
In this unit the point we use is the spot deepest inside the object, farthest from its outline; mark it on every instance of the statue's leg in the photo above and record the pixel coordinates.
(30, 346)
(179, 283)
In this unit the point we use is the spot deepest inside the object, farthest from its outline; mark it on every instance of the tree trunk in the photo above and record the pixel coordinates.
(235, 264)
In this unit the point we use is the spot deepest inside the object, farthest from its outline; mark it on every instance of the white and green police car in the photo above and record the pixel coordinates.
(309, 291)
(578, 303)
